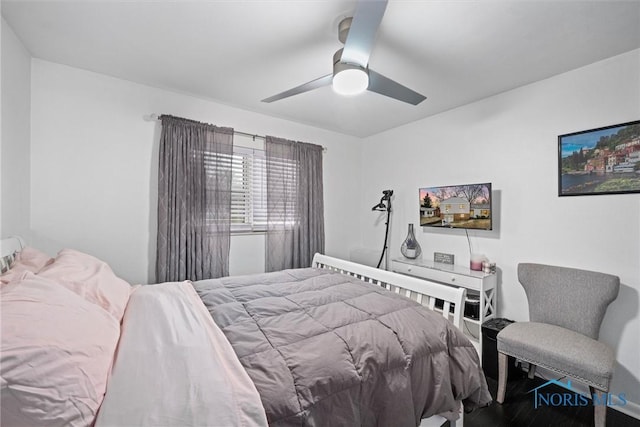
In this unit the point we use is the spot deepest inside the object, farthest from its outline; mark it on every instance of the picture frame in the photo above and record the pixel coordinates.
(604, 160)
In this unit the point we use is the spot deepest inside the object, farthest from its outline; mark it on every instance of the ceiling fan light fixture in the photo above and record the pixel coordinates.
(351, 73)
(350, 80)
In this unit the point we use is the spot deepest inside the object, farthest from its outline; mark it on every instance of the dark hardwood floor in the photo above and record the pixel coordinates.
(518, 410)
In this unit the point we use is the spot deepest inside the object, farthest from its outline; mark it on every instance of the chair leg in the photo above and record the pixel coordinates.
(503, 362)
(532, 371)
(599, 407)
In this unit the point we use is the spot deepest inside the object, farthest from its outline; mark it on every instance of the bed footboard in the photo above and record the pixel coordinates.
(419, 290)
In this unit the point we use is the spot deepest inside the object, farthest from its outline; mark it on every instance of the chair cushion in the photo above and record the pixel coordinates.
(560, 350)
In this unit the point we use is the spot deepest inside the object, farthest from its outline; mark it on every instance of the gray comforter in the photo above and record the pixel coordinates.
(325, 349)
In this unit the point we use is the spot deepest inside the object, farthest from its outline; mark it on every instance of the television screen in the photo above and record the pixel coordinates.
(456, 206)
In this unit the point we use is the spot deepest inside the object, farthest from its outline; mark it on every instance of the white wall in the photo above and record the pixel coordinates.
(15, 161)
(511, 141)
(1, 31)
(93, 179)
(94, 168)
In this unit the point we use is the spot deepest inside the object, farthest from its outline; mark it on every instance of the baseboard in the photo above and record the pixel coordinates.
(631, 409)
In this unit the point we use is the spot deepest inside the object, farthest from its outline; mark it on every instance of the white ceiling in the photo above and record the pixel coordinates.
(239, 52)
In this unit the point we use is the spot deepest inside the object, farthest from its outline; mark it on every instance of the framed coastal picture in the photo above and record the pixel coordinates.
(600, 161)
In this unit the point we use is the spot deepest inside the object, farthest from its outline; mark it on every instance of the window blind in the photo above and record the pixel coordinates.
(248, 190)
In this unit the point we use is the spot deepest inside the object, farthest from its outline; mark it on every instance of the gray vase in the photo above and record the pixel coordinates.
(410, 247)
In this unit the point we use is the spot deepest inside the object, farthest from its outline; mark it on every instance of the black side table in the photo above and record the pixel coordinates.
(490, 330)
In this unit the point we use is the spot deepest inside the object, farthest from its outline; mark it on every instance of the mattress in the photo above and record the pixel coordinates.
(324, 348)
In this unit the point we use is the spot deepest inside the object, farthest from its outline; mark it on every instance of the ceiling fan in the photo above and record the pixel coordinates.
(351, 72)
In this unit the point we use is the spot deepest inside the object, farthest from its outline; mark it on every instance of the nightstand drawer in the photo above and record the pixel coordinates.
(449, 278)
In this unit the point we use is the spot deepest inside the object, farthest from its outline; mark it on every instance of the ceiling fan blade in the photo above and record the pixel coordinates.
(387, 87)
(362, 34)
(313, 84)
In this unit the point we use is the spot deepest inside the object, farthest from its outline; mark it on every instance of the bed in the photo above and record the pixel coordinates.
(335, 344)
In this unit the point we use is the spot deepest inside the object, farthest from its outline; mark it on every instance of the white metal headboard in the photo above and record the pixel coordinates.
(9, 247)
(419, 290)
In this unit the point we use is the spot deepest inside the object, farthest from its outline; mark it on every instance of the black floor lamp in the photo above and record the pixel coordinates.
(384, 205)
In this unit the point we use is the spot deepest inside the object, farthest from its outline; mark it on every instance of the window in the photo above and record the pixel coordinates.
(248, 190)
(249, 187)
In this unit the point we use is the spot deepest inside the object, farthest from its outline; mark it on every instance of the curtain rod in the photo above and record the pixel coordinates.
(154, 117)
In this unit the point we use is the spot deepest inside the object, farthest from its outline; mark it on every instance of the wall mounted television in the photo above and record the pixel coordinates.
(457, 206)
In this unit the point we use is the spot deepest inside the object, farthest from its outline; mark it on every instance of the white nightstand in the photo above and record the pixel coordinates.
(479, 284)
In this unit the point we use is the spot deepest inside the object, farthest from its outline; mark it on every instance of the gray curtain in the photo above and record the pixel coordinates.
(194, 200)
(295, 205)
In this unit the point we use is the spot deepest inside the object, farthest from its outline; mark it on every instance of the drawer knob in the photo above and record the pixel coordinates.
(453, 279)
(409, 269)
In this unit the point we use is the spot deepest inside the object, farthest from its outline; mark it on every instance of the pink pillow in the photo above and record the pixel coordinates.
(90, 278)
(28, 259)
(57, 352)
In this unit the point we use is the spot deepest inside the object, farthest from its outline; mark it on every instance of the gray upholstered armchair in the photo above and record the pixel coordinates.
(566, 308)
